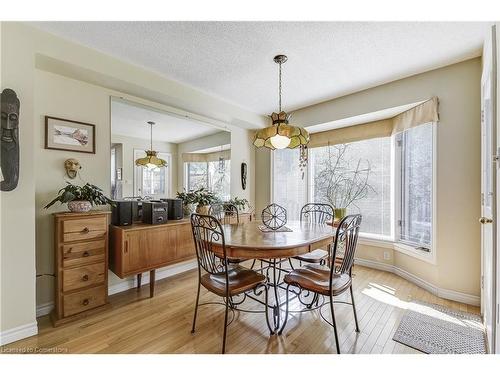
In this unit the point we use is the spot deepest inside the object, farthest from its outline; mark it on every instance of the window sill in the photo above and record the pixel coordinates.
(397, 246)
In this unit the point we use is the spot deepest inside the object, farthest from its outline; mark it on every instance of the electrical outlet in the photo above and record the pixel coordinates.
(387, 256)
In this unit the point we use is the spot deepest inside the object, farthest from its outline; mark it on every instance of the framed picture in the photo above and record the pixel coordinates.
(68, 135)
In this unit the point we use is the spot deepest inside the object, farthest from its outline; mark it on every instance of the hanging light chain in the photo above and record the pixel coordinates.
(280, 86)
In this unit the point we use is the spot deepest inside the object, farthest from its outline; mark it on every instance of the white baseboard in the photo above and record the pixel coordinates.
(440, 292)
(18, 333)
(46, 308)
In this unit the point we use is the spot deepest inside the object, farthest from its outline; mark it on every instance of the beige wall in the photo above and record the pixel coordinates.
(458, 165)
(17, 294)
(129, 144)
(55, 77)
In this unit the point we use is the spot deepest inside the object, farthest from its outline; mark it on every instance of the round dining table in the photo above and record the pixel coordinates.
(273, 249)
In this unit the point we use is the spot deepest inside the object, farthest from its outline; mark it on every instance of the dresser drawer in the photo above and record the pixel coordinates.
(82, 229)
(83, 253)
(85, 300)
(81, 277)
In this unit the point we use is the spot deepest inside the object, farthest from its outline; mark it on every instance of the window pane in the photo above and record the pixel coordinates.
(356, 176)
(416, 185)
(219, 178)
(197, 175)
(153, 181)
(290, 190)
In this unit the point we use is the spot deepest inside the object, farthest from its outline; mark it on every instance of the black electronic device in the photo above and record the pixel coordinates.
(154, 212)
(175, 211)
(137, 211)
(121, 213)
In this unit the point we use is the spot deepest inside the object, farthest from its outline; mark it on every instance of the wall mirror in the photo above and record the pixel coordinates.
(188, 153)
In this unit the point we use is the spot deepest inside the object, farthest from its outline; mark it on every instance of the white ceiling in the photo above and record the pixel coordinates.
(131, 120)
(234, 60)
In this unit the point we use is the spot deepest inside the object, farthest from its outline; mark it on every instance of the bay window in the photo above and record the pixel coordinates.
(211, 175)
(388, 180)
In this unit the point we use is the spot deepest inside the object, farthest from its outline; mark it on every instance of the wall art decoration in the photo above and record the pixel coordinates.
(9, 140)
(243, 176)
(69, 135)
(72, 167)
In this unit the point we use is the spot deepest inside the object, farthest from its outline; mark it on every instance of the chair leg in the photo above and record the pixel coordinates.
(291, 264)
(196, 308)
(286, 311)
(354, 309)
(253, 264)
(225, 327)
(334, 325)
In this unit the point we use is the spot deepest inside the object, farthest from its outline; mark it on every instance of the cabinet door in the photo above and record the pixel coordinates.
(185, 242)
(135, 256)
(161, 245)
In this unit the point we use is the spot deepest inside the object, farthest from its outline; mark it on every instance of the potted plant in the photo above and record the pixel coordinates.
(188, 201)
(240, 204)
(204, 198)
(80, 198)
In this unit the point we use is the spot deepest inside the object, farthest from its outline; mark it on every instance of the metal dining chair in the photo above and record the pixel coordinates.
(330, 281)
(317, 213)
(214, 271)
(225, 213)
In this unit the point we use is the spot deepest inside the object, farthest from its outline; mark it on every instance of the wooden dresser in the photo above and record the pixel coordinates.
(81, 264)
(139, 248)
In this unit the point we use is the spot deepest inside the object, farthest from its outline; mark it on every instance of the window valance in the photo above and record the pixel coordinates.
(206, 157)
(422, 113)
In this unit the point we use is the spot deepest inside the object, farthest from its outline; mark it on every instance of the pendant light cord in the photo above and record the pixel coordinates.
(151, 136)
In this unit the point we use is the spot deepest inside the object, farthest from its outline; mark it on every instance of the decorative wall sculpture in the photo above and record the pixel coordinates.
(9, 140)
(72, 167)
(243, 176)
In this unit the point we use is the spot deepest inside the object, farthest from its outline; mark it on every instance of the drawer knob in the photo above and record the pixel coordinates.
(86, 230)
(85, 302)
(85, 254)
(85, 277)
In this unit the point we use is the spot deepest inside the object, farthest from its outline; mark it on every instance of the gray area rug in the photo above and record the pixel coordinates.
(436, 329)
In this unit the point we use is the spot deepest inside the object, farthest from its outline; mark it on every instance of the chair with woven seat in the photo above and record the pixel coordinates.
(214, 271)
(317, 213)
(332, 280)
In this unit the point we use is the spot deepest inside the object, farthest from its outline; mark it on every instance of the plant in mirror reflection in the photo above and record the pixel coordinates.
(341, 180)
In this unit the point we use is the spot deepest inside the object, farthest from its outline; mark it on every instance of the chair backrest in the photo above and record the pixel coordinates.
(317, 213)
(206, 231)
(344, 246)
(224, 212)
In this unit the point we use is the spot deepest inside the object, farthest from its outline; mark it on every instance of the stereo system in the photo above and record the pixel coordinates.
(127, 212)
(154, 212)
(175, 211)
(122, 213)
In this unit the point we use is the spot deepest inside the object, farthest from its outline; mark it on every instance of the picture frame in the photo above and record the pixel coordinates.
(69, 135)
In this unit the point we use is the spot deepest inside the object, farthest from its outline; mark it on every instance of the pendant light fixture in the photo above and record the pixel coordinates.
(280, 134)
(151, 161)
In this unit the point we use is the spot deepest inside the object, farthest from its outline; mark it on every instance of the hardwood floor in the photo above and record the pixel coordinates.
(135, 323)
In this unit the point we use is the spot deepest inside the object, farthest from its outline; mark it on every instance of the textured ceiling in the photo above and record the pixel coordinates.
(131, 120)
(233, 60)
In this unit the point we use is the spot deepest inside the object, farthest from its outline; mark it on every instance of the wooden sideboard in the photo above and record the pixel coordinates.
(139, 248)
(81, 264)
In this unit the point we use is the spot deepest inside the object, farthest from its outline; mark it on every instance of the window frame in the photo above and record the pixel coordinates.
(393, 241)
(400, 245)
(207, 163)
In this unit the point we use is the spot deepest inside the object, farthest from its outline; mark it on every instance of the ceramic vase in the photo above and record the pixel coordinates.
(202, 210)
(79, 206)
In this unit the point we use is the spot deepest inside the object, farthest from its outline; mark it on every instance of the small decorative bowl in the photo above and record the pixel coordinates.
(79, 206)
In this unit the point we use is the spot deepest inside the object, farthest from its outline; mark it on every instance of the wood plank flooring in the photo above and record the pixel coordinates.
(135, 323)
